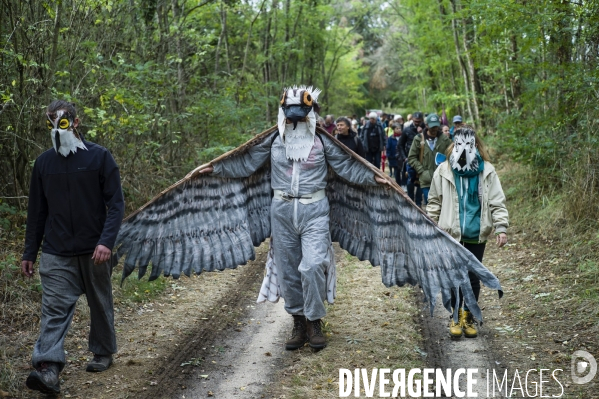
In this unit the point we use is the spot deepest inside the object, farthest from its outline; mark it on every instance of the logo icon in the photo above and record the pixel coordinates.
(581, 367)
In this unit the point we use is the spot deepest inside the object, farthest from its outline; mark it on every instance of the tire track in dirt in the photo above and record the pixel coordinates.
(171, 377)
(444, 352)
(249, 358)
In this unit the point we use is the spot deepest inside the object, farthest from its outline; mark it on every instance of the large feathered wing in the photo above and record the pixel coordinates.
(201, 223)
(210, 223)
(382, 225)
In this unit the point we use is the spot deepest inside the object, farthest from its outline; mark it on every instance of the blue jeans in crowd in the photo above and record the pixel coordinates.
(425, 194)
(411, 188)
(399, 174)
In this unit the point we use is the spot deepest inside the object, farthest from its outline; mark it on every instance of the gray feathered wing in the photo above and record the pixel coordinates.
(386, 228)
(201, 223)
(211, 223)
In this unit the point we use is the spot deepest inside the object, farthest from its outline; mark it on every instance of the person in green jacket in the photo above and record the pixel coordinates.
(424, 150)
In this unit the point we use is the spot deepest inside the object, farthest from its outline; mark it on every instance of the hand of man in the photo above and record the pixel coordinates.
(27, 267)
(199, 170)
(382, 181)
(101, 254)
(501, 239)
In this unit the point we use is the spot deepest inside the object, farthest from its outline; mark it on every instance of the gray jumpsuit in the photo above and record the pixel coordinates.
(300, 232)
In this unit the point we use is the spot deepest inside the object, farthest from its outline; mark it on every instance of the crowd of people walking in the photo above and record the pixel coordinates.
(387, 141)
(437, 165)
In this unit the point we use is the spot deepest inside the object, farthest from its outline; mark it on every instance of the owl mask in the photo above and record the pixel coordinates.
(65, 138)
(463, 157)
(298, 106)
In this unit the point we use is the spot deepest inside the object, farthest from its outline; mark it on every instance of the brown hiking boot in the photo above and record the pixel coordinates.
(44, 379)
(315, 334)
(298, 334)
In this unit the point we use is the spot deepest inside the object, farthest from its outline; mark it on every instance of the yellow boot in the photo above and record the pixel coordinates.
(455, 329)
(468, 324)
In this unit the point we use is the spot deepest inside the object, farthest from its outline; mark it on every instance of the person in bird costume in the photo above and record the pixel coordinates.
(297, 185)
(301, 239)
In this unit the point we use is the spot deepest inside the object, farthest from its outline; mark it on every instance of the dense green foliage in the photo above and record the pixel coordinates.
(169, 84)
(165, 85)
(524, 72)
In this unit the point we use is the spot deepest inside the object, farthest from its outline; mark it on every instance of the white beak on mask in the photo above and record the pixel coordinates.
(64, 138)
(297, 106)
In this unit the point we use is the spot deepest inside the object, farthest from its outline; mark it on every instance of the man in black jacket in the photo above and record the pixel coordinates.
(374, 140)
(403, 149)
(349, 137)
(75, 206)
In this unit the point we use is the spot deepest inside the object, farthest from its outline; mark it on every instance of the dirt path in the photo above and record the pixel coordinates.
(202, 342)
(538, 324)
(155, 337)
(206, 337)
(444, 352)
(248, 358)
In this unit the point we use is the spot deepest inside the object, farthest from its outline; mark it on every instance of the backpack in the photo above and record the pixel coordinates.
(374, 139)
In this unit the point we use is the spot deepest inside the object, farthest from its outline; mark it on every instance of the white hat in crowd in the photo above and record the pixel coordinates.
(397, 117)
(372, 115)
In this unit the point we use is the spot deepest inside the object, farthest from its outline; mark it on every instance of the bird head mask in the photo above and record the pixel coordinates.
(65, 138)
(297, 120)
(463, 156)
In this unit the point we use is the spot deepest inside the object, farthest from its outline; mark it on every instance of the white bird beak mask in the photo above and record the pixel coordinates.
(65, 138)
(297, 121)
(463, 157)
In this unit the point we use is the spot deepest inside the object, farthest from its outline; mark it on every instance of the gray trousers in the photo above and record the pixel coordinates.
(301, 239)
(64, 280)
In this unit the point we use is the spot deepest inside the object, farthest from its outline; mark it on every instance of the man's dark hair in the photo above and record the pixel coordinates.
(344, 120)
(62, 104)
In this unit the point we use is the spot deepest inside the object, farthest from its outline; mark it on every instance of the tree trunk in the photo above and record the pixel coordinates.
(456, 42)
(53, 54)
(247, 44)
(218, 44)
(180, 70)
(560, 46)
(266, 67)
(226, 38)
(472, 75)
(285, 65)
(514, 79)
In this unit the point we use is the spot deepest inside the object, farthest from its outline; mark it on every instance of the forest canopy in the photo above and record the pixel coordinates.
(169, 84)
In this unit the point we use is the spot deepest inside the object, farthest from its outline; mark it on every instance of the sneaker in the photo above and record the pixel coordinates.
(315, 334)
(469, 325)
(99, 363)
(44, 379)
(298, 334)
